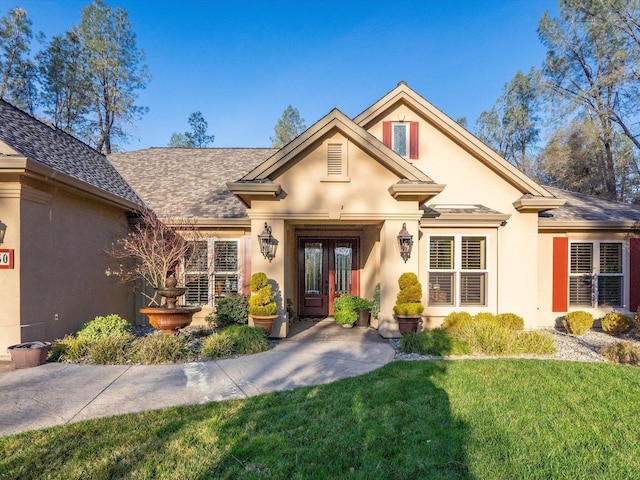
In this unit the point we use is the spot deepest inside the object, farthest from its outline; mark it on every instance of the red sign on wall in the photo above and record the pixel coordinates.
(6, 258)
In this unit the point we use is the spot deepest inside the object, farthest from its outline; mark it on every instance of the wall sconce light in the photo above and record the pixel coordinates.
(267, 243)
(3, 231)
(405, 240)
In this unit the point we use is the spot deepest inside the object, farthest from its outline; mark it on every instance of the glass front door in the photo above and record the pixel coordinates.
(328, 268)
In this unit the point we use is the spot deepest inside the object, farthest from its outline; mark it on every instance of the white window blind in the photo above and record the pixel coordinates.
(196, 268)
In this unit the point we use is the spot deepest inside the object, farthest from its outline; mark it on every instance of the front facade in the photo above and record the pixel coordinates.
(485, 236)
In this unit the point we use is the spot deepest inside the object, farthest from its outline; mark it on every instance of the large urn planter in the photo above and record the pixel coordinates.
(29, 354)
(364, 314)
(408, 324)
(265, 322)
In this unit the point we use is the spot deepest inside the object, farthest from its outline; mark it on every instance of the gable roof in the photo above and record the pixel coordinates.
(402, 94)
(189, 182)
(64, 157)
(582, 211)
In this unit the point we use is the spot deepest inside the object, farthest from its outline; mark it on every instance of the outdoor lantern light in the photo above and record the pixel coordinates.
(3, 231)
(267, 243)
(405, 240)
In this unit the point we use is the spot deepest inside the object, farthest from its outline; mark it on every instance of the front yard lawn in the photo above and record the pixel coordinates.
(466, 419)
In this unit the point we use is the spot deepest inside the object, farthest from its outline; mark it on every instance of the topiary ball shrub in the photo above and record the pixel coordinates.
(159, 348)
(261, 302)
(235, 340)
(578, 322)
(615, 323)
(103, 326)
(485, 318)
(231, 310)
(510, 320)
(433, 342)
(455, 321)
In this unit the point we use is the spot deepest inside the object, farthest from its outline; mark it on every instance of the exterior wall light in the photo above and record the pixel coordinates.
(267, 243)
(3, 231)
(405, 241)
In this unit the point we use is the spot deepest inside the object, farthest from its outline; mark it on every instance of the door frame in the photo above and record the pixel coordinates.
(329, 242)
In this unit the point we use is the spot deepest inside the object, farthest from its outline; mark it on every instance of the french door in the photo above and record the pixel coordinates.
(328, 267)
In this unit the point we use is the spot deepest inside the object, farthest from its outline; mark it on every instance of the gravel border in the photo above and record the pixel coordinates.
(570, 347)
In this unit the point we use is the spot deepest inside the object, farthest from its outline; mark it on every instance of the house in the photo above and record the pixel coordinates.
(485, 237)
(61, 205)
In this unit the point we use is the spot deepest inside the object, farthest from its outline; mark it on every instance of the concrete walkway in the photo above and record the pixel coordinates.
(59, 393)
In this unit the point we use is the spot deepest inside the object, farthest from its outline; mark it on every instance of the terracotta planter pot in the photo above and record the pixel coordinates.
(30, 354)
(169, 320)
(265, 322)
(408, 325)
(363, 317)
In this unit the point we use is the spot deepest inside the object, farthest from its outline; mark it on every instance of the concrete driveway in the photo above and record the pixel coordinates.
(60, 393)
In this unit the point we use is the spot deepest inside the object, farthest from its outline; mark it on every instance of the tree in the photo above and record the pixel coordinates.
(115, 69)
(65, 83)
(289, 126)
(510, 127)
(17, 72)
(588, 68)
(197, 137)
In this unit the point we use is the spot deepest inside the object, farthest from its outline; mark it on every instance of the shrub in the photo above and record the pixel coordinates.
(539, 343)
(161, 348)
(456, 320)
(230, 310)
(69, 349)
(103, 326)
(487, 338)
(343, 309)
(112, 349)
(261, 302)
(636, 322)
(578, 322)
(510, 320)
(485, 317)
(290, 310)
(235, 340)
(627, 353)
(409, 298)
(375, 304)
(433, 342)
(615, 323)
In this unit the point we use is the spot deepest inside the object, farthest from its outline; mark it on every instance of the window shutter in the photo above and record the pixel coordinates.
(634, 274)
(246, 264)
(386, 133)
(560, 274)
(413, 141)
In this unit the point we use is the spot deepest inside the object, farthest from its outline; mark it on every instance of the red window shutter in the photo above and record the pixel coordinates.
(413, 141)
(634, 274)
(246, 264)
(386, 133)
(560, 274)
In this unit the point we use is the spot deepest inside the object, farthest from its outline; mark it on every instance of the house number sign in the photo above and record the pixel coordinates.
(6, 258)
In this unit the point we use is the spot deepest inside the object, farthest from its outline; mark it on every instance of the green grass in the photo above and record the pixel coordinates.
(466, 419)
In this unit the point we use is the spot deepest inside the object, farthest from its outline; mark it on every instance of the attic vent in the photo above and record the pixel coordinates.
(334, 159)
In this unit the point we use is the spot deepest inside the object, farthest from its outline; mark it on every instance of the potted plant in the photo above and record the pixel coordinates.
(29, 354)
(408, 308)
(344, 310)
(153, 252)
(362, 306)
(262, 305)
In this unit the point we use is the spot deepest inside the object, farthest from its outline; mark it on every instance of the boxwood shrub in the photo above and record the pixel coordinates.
(616, 323)
(578, 322)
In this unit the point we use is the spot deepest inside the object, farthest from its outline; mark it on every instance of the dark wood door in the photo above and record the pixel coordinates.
(328, 268)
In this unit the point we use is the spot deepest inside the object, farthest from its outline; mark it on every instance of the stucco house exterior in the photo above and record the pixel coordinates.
(61, 204)
(485, 236)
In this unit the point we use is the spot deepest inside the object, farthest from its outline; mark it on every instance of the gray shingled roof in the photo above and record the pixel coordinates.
(581, 207)
(189, 182)
(52, 147)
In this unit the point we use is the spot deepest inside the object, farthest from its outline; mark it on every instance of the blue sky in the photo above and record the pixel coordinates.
(241, 63)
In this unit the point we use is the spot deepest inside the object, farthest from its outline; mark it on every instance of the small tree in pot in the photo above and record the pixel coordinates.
(262, 305)
(408, 308)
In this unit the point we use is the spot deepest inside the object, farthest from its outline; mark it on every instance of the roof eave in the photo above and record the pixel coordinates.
(573, 225)
(527, 205)
(420, 192)
(249, 191)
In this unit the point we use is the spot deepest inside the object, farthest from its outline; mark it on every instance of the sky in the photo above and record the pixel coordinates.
(241, 63)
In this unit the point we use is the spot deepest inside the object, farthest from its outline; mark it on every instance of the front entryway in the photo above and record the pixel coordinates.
(328, 267)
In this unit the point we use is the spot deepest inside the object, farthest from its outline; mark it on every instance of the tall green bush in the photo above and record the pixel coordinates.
(343, 309)
(231, 310)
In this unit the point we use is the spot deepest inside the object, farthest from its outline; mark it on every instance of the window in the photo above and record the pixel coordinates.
(399, 140)
(402, 138)
(211, 271)
(596, 274)
(457, 270)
